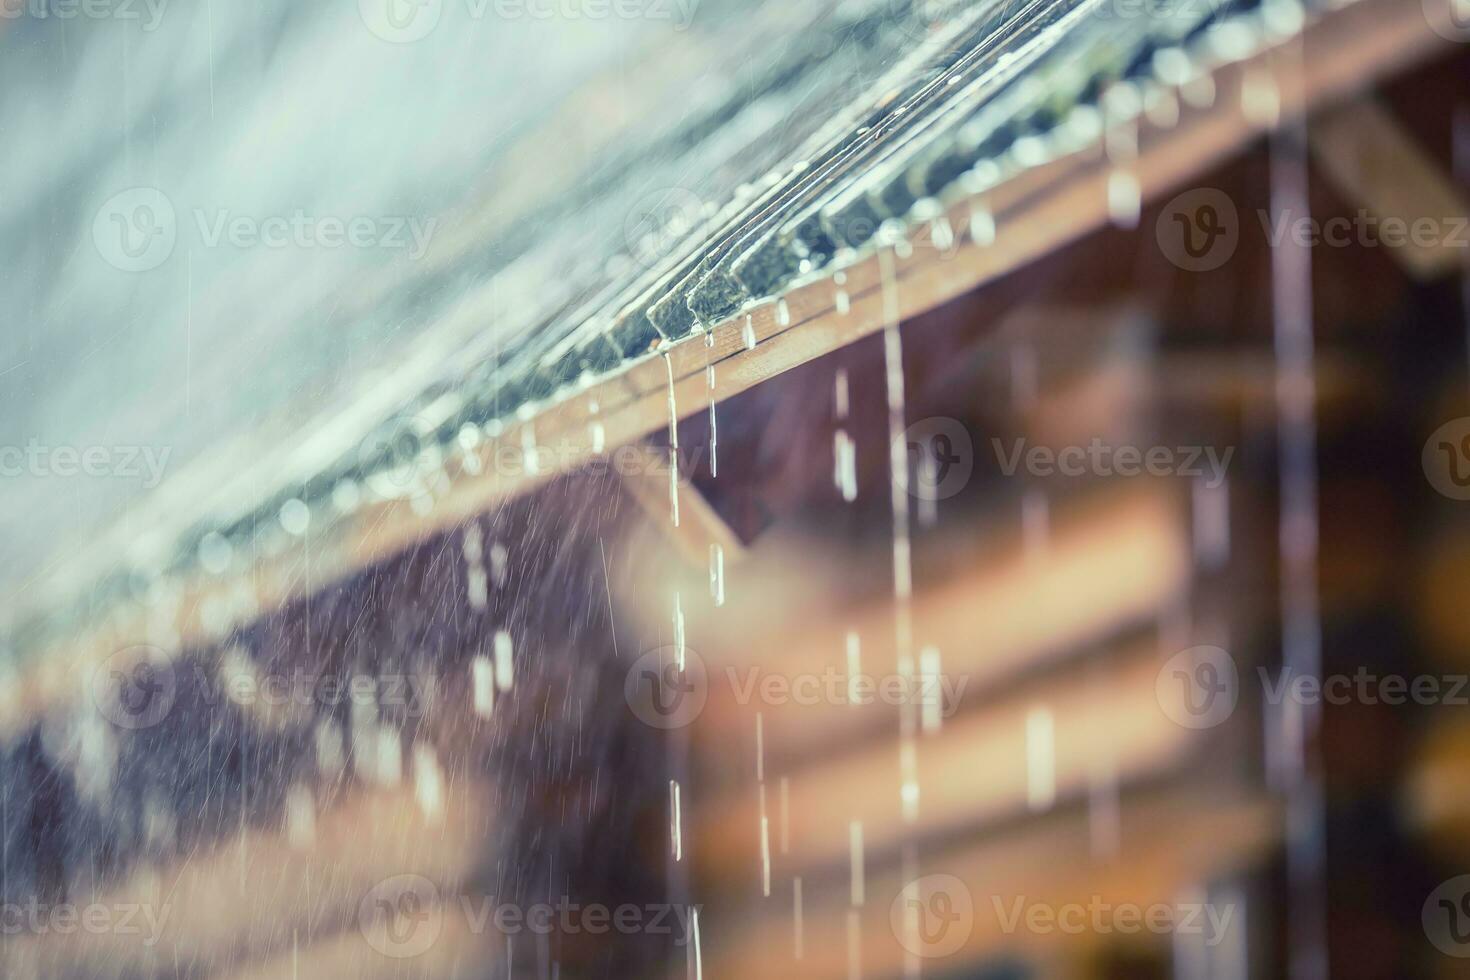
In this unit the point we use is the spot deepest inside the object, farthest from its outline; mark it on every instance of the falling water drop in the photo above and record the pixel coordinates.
(331, 756)
(673, 442)
(1041, 760)
(477, 583)
(982, 226)
(709, 383)
(596, 430)
(1297, 768)
(941, 235)
(477, 587)
(300, 817)
(898, 457)
(529, 452)
(783, 313)
(908, 769)
(858, 886)
(912, 964)
(1460, 166)
(799, 931)
(844, 459)
(694, 941)
(760, 748)
(679, 648)
(926, 479)
(390, 756)
(930, 692)
(504, 663)
(428, 783)
(483, 682)
(765, 846)
(748, 334)
(765, 819)
(499, 564)
(717, 573)
(676, 821)
(897, 465)
(473, 543)
(1121, 105)
(854, 668)
(1125, 198)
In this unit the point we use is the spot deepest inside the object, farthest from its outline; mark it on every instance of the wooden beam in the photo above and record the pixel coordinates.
(979, 770)
(259, 895)
(1164, 855)
(1380, 168)
(646, 473)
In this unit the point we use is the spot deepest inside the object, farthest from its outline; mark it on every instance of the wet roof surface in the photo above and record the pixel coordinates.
(274, 233)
